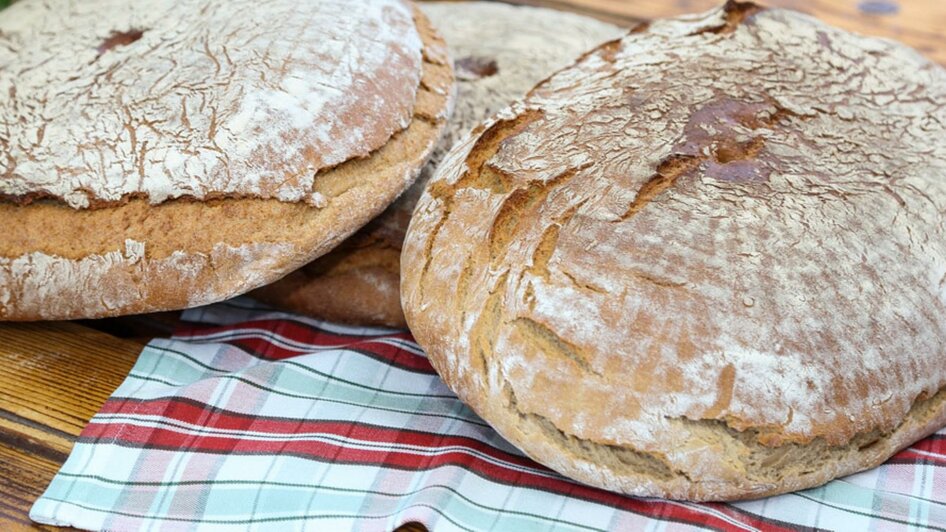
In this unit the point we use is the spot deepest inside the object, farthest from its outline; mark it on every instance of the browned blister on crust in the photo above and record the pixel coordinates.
(501, 51)
(133, 255)
(706, 262)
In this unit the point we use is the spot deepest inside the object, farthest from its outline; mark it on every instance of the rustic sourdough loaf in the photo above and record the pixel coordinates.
(500, 52)
(708, 261)
(175, 153)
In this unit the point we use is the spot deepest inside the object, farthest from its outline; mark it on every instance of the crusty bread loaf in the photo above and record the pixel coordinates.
(151, 164)
(500, 51)
(706, 262)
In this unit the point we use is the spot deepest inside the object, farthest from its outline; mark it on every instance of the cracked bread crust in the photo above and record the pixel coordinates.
(499, 58)
(170, 99)
(57, 262)
(707, 262)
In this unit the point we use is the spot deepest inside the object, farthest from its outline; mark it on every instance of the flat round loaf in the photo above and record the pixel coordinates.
(500, 52)
(175, 153)
(706, 262)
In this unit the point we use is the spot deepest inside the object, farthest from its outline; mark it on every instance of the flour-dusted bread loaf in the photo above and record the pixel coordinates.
(500, 51)
(708, 261)
(159, 155)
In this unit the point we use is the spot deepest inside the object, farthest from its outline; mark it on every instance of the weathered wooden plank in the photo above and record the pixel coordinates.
(23, 477)
(53, 378)
(57, 375)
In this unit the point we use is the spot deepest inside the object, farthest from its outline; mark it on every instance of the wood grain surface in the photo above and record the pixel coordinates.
(55, 376)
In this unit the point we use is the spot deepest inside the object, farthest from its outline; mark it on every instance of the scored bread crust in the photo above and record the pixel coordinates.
(501, 52)
(58, 262)
(707, 262)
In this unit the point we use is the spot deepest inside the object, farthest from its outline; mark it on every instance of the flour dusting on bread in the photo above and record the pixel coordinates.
(202, 103)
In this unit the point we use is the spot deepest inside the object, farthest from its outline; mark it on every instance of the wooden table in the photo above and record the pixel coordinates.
(55, 376)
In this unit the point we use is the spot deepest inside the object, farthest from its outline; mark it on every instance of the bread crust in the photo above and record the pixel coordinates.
(707, 262)
(186, 99)
(59, 262)
(501, 52)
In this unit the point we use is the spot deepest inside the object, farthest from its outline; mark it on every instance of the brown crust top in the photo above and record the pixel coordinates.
(716, 240)
(62, 263)
(118, 99)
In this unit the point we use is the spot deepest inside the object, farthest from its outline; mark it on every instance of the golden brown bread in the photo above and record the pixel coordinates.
(501, 51)
(177, 237)
(706, 262)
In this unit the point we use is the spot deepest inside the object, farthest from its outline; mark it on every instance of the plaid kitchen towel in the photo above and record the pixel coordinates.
(254, 419)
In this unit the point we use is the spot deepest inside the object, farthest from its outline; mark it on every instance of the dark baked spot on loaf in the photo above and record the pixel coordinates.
(724, 120)
(719, 127)
(711, 143)
(609, 50)
(736, 14)
(472, 68)
(729, 151)
(119, 38)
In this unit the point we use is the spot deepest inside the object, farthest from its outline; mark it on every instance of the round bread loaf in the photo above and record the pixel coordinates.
(706, 262)
(500, 52)
(175, 153)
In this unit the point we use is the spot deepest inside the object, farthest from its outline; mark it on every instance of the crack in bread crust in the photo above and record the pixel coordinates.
(762, 469)
(745, 271)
